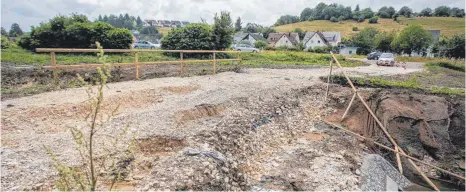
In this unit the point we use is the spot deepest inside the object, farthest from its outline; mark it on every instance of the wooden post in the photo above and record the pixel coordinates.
(398, 160)
(54, 72)
(182, 64)
(215, 62)
(349, 106)
(383, 127)
(328, 78)
(136, 62)
(239, 59)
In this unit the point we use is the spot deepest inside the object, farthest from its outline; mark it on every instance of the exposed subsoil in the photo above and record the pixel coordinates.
(259, 129)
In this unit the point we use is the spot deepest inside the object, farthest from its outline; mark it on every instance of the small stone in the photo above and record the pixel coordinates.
(138, 177)
(357, 172)
(287, 78)
(205, 163)
(224, 169)
(227, 179)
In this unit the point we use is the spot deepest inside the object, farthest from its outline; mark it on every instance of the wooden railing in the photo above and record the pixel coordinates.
(136, 62)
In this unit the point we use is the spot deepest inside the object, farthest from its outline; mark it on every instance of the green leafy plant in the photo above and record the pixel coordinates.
(86, 177)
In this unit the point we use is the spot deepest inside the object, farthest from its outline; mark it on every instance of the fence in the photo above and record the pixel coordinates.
(136, 63)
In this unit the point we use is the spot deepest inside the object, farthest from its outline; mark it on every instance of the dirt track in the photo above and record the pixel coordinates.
(152, 107)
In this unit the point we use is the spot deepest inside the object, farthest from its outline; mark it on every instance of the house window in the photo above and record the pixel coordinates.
(318, 41)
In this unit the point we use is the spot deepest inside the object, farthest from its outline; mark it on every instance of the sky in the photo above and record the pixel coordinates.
(265, 12)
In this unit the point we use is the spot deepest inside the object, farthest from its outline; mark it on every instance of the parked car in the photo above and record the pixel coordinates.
(387, 59)
(373, 55)
(246, 48)
(145, 44)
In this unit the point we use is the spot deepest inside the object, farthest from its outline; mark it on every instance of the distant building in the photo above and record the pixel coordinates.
(283, 39)
(319, 39)
(253, 37)
(348, 50)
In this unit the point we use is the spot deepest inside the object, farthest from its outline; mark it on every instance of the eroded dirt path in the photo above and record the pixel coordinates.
(183, 111)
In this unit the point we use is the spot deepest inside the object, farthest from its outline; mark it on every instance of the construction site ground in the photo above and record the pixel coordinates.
(248, 130)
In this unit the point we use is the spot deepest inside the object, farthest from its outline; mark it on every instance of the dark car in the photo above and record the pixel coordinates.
(374, 55)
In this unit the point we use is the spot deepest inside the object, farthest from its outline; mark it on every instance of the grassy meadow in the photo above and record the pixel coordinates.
(448, 26)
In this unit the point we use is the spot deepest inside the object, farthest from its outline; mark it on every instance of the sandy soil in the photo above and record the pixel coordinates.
(154, 107)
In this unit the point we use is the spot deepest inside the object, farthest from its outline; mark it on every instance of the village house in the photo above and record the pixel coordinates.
(283, 39)
(319, 39)
(252, 38)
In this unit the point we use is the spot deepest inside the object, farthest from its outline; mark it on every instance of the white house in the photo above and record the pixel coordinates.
(253, 37)
(314, 39)
(283, 39)
(318, 39)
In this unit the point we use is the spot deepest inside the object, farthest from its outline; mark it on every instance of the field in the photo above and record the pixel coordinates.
(164, 30)
(448, 26)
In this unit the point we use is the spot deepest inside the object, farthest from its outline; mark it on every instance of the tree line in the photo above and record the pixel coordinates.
(76, 31)
(253, 28)
(412, 39)
(123, 21)
(15, 31)
(338, 12)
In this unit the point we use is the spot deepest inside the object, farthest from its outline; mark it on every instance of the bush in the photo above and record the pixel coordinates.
(333, 19)
(194, 36)
(373, 19)
(310, 18)
(260, 44)
(341, 18)
(270, 48)
(5, 42)
(448, 65)
(76, 31)
(355, 29)
(323, 49)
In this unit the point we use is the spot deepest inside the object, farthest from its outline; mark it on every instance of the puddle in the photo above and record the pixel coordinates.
(315, 136)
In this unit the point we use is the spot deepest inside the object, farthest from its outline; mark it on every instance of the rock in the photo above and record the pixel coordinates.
(287, 78)
(226, 179)
(357, 172)
(138, 177)
(375, 170)
(224, 169)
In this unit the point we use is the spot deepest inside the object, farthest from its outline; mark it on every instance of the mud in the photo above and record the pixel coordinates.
(427, 126)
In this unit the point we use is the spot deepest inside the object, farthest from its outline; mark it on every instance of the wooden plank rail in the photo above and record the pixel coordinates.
(132, 64)
(60, 50)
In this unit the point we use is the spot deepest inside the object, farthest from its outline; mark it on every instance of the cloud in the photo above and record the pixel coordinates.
(264, 12)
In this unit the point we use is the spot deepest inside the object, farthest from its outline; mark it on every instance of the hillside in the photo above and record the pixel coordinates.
(164, 30)
(448, 26)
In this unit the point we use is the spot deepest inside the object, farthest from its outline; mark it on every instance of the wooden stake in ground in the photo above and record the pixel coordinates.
(382, 127)
(136, 62)
(328, 78)
(215, 63)
(182, 64)
(349, 106)
(398, 160)
(54, 72)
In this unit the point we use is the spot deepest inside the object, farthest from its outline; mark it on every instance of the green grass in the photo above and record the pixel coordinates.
(19, 56)
(448, 26)
(439, 77)
(293, 58)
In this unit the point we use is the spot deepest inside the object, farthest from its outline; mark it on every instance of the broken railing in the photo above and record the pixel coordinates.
(397, 149)
(135, 62)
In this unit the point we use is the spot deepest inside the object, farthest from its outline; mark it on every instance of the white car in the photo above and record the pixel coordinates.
(246, 48)
(387, 59)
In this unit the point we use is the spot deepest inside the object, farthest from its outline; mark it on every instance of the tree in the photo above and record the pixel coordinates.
(286, 19)
(139, 22)
(253, 28)
(149, 30)
(222, 31)
(413, 38)
(456, 46)
(4, 33)
(300, 32)
(456, 12)
(383, 41)
(306, 13)
(391, 11)
(194, 36)
(76, 31)
(105, 19)
(442, 11)
(15, 30)
(357, 8)
(238, 24)
(373, 19)
(260, 44)
(318, 11)
(267, 31)
(368, 13)
(100, 18)
(427, 12)
(365, 40)
(384, 15)
(405, 11)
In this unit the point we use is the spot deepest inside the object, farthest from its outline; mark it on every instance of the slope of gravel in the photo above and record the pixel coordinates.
(155, 107)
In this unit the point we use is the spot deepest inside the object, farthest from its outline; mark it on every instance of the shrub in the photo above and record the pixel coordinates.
(269, 48)
(355, 29)
(260, 44)
(300, 46)
(341, 18)
(373, 19)
(281, 48)
(310, 18)
(5, 42)
(333, 19)
(76, 31)
(195, 36)
(448, 65)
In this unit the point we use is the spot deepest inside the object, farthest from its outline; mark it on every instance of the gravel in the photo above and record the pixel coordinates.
(258, 98)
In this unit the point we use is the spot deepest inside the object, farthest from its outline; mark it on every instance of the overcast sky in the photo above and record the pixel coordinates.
(265, 12)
